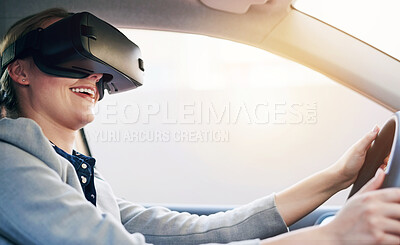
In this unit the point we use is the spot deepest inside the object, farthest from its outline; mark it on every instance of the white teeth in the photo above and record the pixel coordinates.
(84, 90)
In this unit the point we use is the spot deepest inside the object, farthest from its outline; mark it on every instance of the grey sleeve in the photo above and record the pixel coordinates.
(257, 220)
(37, 207)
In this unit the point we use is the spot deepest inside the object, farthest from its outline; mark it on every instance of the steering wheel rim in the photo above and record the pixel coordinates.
(385, 143)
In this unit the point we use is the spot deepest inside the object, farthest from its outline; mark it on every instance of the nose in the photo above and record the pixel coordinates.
(95, 76)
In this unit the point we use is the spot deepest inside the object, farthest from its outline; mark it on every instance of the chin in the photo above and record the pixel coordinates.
(85, 119)
(88, 118)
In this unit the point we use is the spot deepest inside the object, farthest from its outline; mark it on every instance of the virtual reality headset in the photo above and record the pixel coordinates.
(78, 46)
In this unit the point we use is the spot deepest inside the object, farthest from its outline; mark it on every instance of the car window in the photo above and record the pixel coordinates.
(374, 22)
(217, 122)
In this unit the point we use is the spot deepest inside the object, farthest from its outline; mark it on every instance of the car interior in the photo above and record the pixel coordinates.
(274, 26)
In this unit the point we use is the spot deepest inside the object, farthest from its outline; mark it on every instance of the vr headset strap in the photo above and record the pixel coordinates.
(21, 48)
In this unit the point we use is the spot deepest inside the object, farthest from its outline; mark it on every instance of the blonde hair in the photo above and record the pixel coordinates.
(8, 97)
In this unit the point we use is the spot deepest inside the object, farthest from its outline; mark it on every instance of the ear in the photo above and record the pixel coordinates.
(18, 72)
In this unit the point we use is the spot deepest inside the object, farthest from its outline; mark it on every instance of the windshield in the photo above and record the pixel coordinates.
(375, 22)
(216, 117)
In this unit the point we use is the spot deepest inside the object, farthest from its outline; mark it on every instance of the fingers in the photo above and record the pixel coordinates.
(389, 239)
(391, 210)
(374, 183)
(391, 229)
(365, 142)
(386, 195)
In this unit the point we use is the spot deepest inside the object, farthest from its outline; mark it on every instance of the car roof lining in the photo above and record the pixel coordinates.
(232, 6)
(191, 16)
(188, 16)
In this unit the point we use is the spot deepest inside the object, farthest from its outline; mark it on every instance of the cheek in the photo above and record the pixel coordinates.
(47, 83)
(48, 90)
(49, 86)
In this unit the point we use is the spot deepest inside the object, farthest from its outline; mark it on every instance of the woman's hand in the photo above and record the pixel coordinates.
(370, 217)
(347, 167)
(300, 199)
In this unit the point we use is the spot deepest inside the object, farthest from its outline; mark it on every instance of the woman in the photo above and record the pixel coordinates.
(53, 195)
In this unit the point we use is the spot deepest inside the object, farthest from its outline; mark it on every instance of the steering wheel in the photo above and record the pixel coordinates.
(386, 145)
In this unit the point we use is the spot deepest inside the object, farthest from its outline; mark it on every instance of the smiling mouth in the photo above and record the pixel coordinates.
(86, 93)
